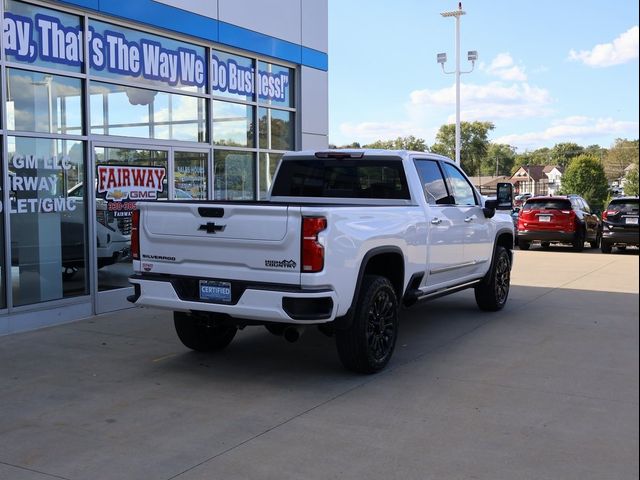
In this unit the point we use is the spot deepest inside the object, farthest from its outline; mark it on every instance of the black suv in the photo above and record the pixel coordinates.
(620, 224)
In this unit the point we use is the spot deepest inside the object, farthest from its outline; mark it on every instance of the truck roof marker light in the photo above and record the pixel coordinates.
(330, 154)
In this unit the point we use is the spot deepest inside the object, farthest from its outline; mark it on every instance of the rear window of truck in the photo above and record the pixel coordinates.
(341, 179)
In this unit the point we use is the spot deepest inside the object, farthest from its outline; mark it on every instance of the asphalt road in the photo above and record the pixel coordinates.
(545, 389)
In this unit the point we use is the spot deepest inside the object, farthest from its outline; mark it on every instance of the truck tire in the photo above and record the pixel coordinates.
(368, 343)
(605, 247)
(524, 245)
(202, 334)
(492, 292)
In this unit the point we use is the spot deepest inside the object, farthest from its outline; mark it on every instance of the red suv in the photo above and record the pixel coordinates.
(564, 219)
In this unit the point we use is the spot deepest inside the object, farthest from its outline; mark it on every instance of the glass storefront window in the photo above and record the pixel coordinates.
(47, 218)
(117, 52)
(275, 84)
(38, 102)
(137, 112)
(39, 36)
(123, 176)
(267, 167)
(190, 176)
(232, 76)
(3, 303)
(233, 124)
(234, 175)
(276, 129)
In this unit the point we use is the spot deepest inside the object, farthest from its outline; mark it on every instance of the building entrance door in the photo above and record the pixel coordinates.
(122, 176)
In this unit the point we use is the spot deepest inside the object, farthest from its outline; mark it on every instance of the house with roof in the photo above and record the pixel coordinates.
(554, 175)
(488, 184)
(537, 179)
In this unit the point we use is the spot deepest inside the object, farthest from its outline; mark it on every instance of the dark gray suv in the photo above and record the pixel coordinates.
(620, 224)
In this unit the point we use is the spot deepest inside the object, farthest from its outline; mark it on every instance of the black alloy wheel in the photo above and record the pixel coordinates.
(492, 293)
(367, 344)
(381, 328)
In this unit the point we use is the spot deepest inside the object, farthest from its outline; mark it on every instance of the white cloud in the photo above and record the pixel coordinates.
(622, 50)
(503, 67)
(575, 129)
(492, 101)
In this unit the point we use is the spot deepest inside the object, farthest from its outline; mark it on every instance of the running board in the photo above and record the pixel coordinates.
(416, 295)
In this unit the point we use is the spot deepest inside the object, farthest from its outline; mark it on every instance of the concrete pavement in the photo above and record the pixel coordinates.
(545, 389)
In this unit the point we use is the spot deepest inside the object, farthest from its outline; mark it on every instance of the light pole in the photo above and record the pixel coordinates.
(472, 56)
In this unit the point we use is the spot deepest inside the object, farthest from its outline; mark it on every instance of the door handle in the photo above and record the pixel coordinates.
(435, 221)
(468, 219)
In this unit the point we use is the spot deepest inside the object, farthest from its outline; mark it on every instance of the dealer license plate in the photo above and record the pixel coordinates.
(631, 220)
(544, 218)
(215, 291)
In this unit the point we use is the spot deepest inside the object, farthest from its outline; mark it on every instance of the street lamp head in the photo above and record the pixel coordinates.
(454, 13)
(442, 58)
(472, 55)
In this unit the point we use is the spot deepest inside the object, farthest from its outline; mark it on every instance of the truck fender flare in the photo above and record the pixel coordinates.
(499, 233)
(345, 320)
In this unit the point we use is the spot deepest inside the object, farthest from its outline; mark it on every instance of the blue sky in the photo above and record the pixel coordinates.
(548, 71)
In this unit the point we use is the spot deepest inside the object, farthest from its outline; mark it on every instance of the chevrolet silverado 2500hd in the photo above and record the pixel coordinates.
(344, 239)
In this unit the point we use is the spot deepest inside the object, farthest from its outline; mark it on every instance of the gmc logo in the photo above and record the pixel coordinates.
(140, 195)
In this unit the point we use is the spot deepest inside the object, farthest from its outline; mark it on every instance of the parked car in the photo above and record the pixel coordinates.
(562, 219)
(519, 200)
(515, 213)
(620, 224)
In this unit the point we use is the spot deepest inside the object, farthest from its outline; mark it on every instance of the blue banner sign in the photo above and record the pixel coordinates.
(232, 77)
(46, 38)
(131, 53)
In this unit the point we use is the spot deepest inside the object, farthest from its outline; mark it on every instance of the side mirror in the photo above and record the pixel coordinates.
(504, 196)
(489, 208)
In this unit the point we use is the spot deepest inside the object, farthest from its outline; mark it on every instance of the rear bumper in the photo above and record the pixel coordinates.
(545, 236)
(628, 238)
(257, 302)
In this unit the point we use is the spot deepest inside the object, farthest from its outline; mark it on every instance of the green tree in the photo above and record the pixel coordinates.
(474, 143)
(499, 160)
(622, 154)
(585, 176)
(401, 143)
(562, 154)
(630, 184)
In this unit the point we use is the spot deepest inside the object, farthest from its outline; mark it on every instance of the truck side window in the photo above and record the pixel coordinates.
(459, 185)
(433, 186)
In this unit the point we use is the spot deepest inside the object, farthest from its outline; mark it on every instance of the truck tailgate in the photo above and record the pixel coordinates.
(243, 241)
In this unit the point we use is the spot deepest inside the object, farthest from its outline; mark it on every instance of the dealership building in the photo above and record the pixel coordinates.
(105, 103)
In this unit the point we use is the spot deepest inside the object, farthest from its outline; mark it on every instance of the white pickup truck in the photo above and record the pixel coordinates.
(345, 238)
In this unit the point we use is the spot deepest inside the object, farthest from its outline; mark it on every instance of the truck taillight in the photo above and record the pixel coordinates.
(135, 235)
(312, 251)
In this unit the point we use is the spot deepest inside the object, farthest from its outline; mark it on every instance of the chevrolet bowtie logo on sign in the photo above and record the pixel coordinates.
(212, 227)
